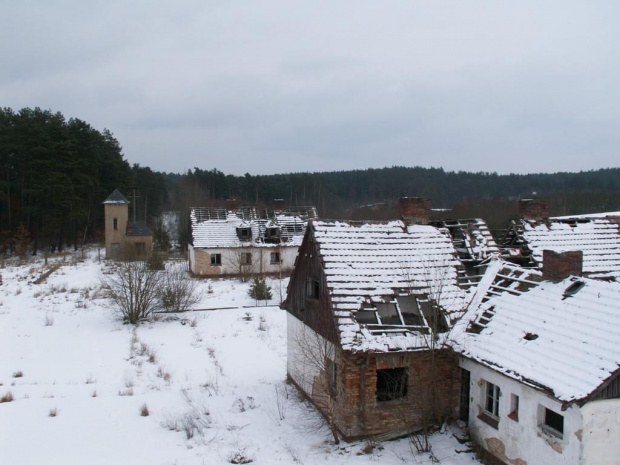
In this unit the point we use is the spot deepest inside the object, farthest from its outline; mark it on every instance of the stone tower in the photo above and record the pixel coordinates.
(116, 217)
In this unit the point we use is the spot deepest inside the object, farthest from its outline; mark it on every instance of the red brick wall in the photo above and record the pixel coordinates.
(533, 209)
(560, 265)
(415, 210)
(358, 414)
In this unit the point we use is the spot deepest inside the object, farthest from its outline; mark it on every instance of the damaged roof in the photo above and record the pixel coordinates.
(385, 281)
(560, 337)
(472, 238)
(596, 235)
(218, 228)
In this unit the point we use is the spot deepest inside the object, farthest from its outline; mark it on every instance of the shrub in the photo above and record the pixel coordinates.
(8, 397)
(177, 292)
(259, 289)
(144, 410)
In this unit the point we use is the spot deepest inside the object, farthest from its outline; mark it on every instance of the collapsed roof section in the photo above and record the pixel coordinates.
(558, 337)
(392, 287)
(221, 228)
(596, 235)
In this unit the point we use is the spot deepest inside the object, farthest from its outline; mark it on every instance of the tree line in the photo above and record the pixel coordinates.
(54, 174)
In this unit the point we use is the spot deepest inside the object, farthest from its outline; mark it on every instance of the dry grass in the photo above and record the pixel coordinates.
(53, 412)
(18, 374)
(8, 397)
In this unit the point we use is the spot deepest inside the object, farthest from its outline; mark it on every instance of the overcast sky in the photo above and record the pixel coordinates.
(275, 86)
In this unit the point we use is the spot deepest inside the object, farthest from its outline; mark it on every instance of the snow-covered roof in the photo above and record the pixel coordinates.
(218, 228)
(561, 337)
(383, 280)
(597, 236)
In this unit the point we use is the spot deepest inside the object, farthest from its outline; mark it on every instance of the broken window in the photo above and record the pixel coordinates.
(409, 310)
(389, 314)
(272, 232)
(216, 259)
(366, 317)
(514, 407)
(552, 423)
(391, 384)
(313, 289)
(491, 404)
(246, 258)
(275, 258)
(434, 315)
(244, 233)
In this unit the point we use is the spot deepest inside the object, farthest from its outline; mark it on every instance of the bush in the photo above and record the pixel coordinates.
(134, 288)
(177, 292)
(259, 289)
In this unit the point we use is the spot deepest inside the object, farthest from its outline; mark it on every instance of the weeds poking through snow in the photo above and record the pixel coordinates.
(53, 412)
(8, 397)
(144, 411)
(240, 456)
(94, 394)
(49, 319)
(126, 392)
(90, 380)
(18, 374)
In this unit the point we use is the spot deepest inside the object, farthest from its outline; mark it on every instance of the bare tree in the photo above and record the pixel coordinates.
(429, 280)
(134, 288)
(177, 290)
(243, 261)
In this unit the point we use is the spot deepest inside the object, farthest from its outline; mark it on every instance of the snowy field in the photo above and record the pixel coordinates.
(205, 387)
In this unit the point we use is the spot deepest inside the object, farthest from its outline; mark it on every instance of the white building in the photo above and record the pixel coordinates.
(540, 365)
(233, 242)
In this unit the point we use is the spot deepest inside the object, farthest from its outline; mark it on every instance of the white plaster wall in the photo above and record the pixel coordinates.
(192, 258)
(522, 439)
(601, 432)
(303, 344)
(261, 259)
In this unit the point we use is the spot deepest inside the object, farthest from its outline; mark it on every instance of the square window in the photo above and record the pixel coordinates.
(491, 402)
(553, 423)
(275, 258)
(391, 384)
(216, 259)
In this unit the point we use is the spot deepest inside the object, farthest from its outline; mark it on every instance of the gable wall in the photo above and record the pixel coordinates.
(523, 441)
(200, 261)
(601, 430)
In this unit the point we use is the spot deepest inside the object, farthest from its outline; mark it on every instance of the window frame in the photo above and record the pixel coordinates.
(392, 384)
(115, 223)
(275, 258)
(313, 289)
(546, 424)
(216, 259)
(246, 258)
(492, 394)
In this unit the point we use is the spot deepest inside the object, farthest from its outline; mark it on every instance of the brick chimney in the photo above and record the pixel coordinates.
(415, 210)
(560, 265)
(531, 209)
(232, 205)
(278, 205)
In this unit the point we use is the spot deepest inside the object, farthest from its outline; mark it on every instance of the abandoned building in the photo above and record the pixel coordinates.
(239, 241)
(122, 237)
(596, 235)
(541, 365)
(375, 302)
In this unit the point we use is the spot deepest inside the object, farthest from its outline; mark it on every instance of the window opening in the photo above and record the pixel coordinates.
(514, 407)
(553, 423)
(246, 258)
(313, 289)
(115, 223)
(216, 259)
(389, 314)
(366, 317)
(391, 384)
(275, 258)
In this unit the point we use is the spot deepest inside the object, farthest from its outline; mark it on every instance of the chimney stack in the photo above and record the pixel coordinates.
(415, 210)
(232, 205)
(558, 266)
(530, 209)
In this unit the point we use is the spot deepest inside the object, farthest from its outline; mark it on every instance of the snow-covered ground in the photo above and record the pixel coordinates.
(205, 387)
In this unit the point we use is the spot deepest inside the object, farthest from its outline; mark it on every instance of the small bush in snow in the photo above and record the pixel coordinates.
(177, 292)
(49, 319)
(53, 412)
(259, 289)
(239, 456)
(18, 374)
(144, 410)
(8, 397)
